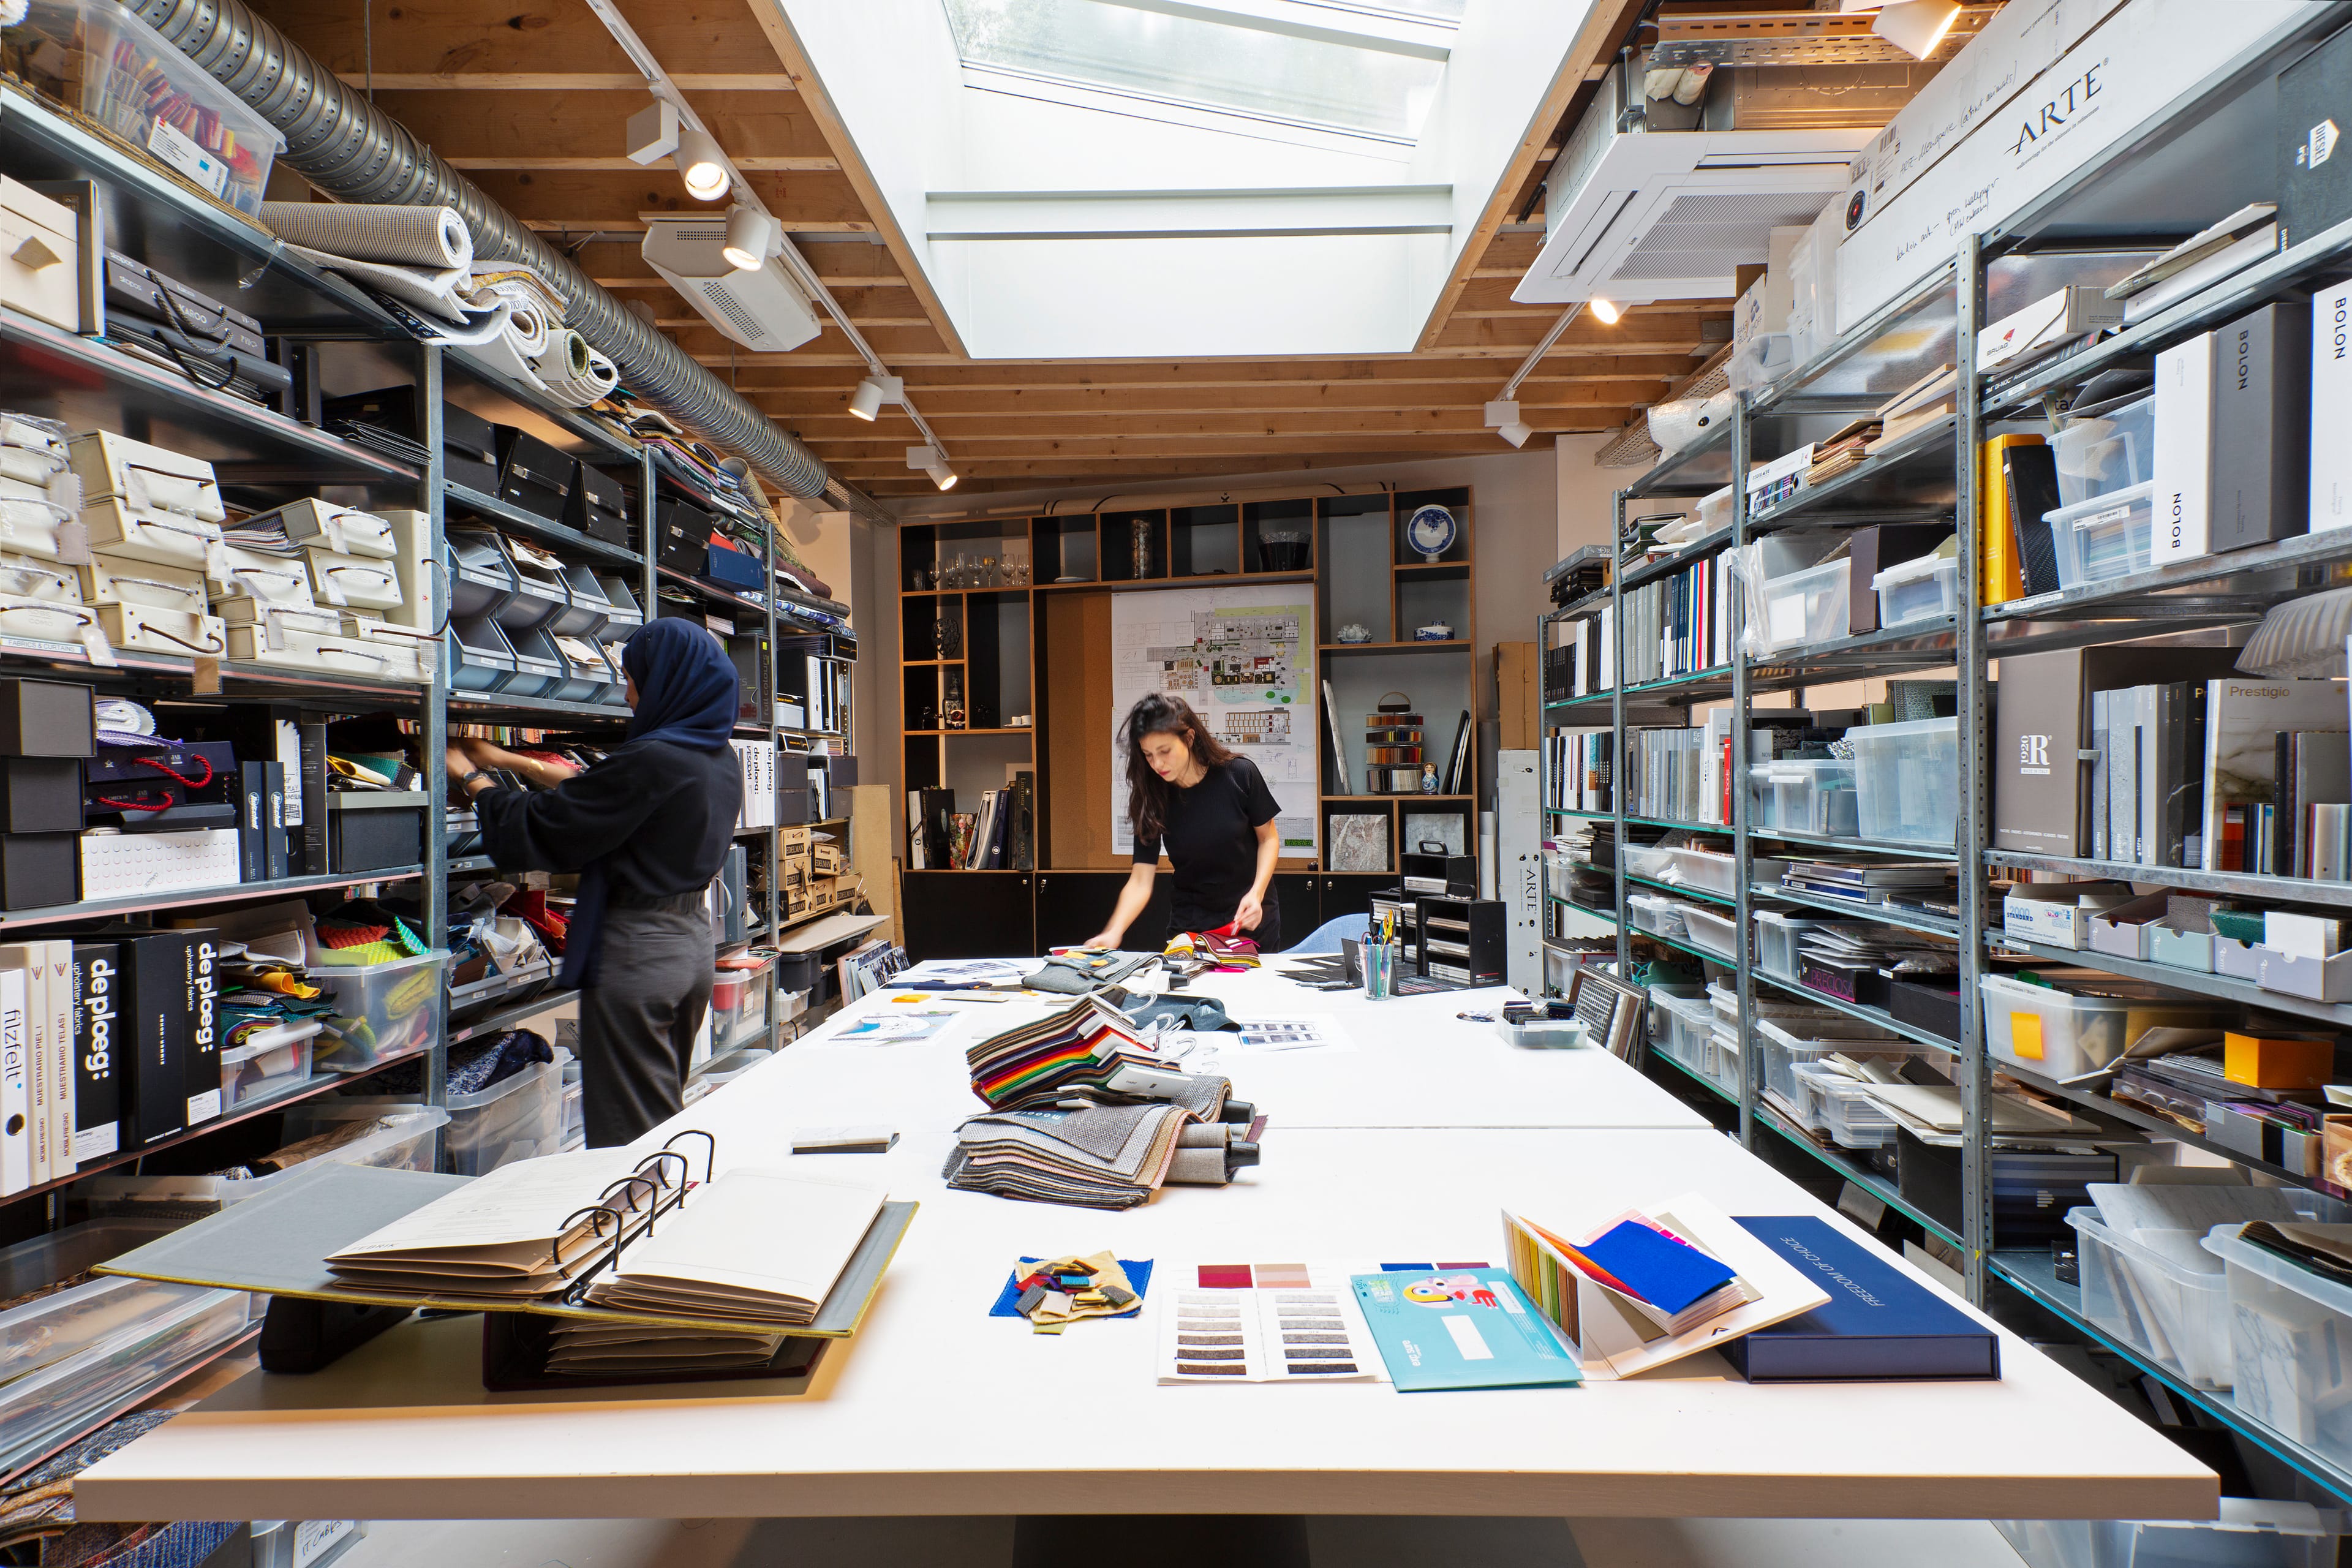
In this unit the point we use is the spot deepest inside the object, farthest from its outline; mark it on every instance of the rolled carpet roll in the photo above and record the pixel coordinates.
(575, 373)
(406, 236)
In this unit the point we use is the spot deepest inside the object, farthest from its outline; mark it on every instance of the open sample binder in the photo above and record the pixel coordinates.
(589, 1267)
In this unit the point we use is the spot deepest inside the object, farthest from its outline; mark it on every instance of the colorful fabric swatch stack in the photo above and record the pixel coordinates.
(1089, 1050)
(1102, 1156)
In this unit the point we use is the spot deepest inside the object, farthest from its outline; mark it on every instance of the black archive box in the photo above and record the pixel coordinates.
(598, 505)
(682, 536)
(375, 830)
(39, 871)
(47, 719)
(40, 794)
(533, 475)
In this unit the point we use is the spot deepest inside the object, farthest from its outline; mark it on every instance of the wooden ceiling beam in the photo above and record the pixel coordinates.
(942, 404)
(544, 81)
(892, 454)
(971, 431)
(466, 126)
(577, 194)
(1019, 379)
(693, 39)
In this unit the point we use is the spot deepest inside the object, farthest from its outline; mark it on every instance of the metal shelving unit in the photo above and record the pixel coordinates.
(1932, 474)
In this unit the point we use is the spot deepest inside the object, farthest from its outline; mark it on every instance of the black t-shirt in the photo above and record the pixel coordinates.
(1212, 840)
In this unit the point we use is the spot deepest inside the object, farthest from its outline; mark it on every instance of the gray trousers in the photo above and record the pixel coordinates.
(638, 1023)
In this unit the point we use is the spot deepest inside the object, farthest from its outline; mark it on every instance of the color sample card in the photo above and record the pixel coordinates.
(1468, 1330)
(1264, 1323)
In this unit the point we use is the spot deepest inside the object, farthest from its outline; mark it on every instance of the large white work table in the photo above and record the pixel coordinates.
(937, 1409)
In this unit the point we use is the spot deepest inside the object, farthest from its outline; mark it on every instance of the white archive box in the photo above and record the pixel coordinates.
(411, 531)
(345, 529)
(151, 630)
(113, 580)
(241, 573)
(40, 256)
(369, 582)
(409, 653)
(122, 864)
(281, 641)
(164, 538)
(29, 577)
(38, 519)
(45, 620)
(318, 618)
(146, 477)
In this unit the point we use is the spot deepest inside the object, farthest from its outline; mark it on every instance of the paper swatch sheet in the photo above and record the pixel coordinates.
(1265, 1322)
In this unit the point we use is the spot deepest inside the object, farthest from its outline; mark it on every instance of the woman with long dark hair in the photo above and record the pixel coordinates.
(1211, 811)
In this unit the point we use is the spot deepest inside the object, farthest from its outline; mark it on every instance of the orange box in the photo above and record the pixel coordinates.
(2263, 1062)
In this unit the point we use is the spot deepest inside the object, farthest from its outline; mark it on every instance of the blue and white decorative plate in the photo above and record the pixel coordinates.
(1431, 531)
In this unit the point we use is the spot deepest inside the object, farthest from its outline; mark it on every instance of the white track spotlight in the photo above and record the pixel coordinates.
(701, 165)
(933, 461)
(943, 476)
(872, 393)
(750, 237)
(1917, 27)
(1607, 312)
(1503, 418)
(653, 131)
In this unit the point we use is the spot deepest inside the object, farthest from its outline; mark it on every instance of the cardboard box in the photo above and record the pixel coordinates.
(1518, 700)
(2265, 1061)
(828, 859)
(2059, 914)
(2335, 1141)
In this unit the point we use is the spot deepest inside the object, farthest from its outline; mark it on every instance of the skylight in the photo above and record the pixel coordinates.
(1368, 70)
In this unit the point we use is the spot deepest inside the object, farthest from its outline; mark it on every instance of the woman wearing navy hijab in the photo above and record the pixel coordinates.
(648, 828)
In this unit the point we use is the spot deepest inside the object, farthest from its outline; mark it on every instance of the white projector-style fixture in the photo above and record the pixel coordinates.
(1638, 215)
(761, 306)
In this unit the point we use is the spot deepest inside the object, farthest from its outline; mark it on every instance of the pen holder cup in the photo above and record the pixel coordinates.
(1380, 967)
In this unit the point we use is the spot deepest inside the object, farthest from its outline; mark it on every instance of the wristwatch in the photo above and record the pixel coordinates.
(466, 779)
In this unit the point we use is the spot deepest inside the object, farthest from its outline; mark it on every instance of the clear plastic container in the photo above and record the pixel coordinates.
(272, 1064)
(2250, 1533)
(1719, 933)
(381, 1010)
(518, 1118)
(1723, 1060)
(304, 1543)
(1777, 936)
(2152, 1300)
(2115, 451)
(739, 1000)
(1649, 861)
(405, 1144)
(1923, 590)
(1907, 780)
(1658, 915)
(116, 1342)
(1801, 795)
(2056, 1034)
(1688, 1021)
(2290, 1347)
(1809, 606)
(1831, 1102)
(1784, 1049)
(2108, 536)
(133, 82)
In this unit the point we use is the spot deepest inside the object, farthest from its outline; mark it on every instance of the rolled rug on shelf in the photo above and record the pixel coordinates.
(434, 238)
(516, 349)
(571, 369)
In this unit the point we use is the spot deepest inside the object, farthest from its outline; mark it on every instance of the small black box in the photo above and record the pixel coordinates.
(2032, 1189)
(2315, 107)
(375, 831)
(796, 806)
(682, 536)
(40, 794)
(533, 475)
(1930, 1002)
(47, 719)
(599, 505)
(1427, 872)
(38, 870)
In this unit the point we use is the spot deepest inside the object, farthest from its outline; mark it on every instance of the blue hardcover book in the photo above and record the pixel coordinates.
(1471, 1328)
(1880, 1326)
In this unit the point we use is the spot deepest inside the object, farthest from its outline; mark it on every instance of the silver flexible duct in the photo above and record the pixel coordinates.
(341, 143)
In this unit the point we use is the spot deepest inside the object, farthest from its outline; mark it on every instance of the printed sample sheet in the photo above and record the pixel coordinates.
(1265, 1322)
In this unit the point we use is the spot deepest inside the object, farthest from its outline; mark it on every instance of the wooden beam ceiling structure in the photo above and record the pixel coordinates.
(531, 103)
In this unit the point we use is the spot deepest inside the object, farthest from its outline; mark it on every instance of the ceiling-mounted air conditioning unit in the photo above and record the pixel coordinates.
(762, 309)
(1635, 214)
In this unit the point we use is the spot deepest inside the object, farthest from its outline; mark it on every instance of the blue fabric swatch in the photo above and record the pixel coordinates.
(1666, 1274)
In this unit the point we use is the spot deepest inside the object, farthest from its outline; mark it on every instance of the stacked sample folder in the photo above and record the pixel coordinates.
(1102, 1156)
(1089, 1050)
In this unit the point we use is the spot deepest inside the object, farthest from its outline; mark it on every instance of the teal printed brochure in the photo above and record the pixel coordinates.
(1466, 1329)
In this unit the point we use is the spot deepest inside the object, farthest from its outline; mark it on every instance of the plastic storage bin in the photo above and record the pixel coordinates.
(481, 579)
(136, 84)
(304, 1543)
(739, 1000)
(2250, 1533)
(2290, 1347)
(1783, 1050)
(1832, 1103)
(381, 1010)
(1803, 795)
(1907, 780)
(1808, 606)
(2168, 1311)
(2107, 536)
(1719, 933)
(481, 657)
(624, 617)
(405, 1143)
(273, 1063)
(1777, 936)
(540, 667)
(1656, 913)
(2057, 1034)
(540, 597)
(1688, 1025)
(2115, 451)
(517, 1118)
(1922, 590)
(589, 612)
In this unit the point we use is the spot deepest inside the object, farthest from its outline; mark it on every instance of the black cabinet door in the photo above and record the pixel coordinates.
(969, 915)
(1299, 895)
(1074, 905)
(1350, 893)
